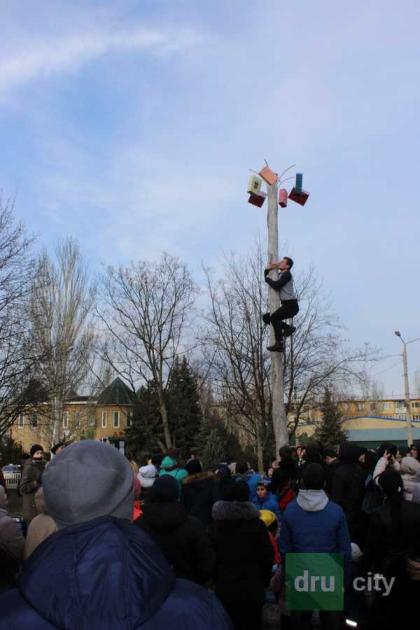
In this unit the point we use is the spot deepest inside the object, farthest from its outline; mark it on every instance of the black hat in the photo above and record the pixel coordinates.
(35, 448)
(237, 491)
(164, 490)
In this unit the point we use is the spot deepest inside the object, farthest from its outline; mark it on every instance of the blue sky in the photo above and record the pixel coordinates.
(131, 125)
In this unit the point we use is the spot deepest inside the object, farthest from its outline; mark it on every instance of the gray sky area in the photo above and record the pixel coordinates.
(132, 125)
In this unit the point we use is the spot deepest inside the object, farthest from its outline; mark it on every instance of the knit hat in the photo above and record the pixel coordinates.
(193, 467)
(88, 480)
(268, 517)
(35, 448)
(147, 475)
(164, 490)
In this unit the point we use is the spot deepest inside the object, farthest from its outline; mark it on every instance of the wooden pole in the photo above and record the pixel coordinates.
(277, 358)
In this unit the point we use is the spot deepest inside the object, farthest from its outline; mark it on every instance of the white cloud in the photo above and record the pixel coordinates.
(35, 58)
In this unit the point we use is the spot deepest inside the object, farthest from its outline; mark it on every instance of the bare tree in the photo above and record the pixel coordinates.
(61, 311)
(144, 311)
(17, 356)
(318, 356)
(235, 344)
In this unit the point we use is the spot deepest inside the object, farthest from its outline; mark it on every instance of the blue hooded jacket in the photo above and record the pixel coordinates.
(269, 503)
(103, 574)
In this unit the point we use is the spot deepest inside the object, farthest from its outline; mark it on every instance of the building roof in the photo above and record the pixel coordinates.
(117, 393)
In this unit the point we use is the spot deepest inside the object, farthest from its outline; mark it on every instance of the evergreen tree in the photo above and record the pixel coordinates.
(330, 431)
(215, 443)
(184, 410)
(144, 435)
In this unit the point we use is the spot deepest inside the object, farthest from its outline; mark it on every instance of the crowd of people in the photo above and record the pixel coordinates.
(109, 544)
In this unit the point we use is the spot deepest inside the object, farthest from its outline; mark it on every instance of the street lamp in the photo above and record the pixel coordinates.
(406, 386)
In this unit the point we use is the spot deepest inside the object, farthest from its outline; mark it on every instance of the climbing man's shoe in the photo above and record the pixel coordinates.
(266, 318)
(277, 347)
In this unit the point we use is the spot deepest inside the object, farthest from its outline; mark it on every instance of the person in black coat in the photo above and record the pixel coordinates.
(348, 489)
(393, 550)
(30, 481)
(244, 556)
(198, 492)
(181, 538)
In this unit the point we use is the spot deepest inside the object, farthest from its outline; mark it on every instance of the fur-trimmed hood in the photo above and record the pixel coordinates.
(202, 476)
(234, 511)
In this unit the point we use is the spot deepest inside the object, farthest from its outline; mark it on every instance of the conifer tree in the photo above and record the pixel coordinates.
(184, 414)
(184, 411)
(144, 436)
(330, 431)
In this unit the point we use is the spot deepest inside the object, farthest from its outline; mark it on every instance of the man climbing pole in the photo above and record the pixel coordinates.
(289, 304)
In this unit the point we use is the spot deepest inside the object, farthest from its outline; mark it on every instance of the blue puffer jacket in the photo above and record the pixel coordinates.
(106, 574)
(314, 524)
(269, 503)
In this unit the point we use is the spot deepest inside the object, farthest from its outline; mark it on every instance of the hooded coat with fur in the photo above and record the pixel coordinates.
(244, 554)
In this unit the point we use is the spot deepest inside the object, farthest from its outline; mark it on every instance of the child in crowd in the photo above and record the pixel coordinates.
(265, 500)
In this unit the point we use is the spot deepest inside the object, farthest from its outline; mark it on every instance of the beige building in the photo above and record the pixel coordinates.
(103, 418)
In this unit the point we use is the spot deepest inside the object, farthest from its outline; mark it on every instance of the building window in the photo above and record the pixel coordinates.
(129, 418)
(387, 405)
(34, 420)
(21, 420)
(91, 421)
(65, 419)
(104, 419)
(416, 405)
(360, 406)
(116, 419)
(77, 419)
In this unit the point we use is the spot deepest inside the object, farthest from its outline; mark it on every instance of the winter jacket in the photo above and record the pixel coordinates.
(11, 537)
(348, 489)
(198, 494)
(102, 574)
(169, 466)
(286, 497)
(244, 554)
(314, 524)
(393, 550)
(30, 482)
(410, 473)
(269, 503)
(181, 538)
